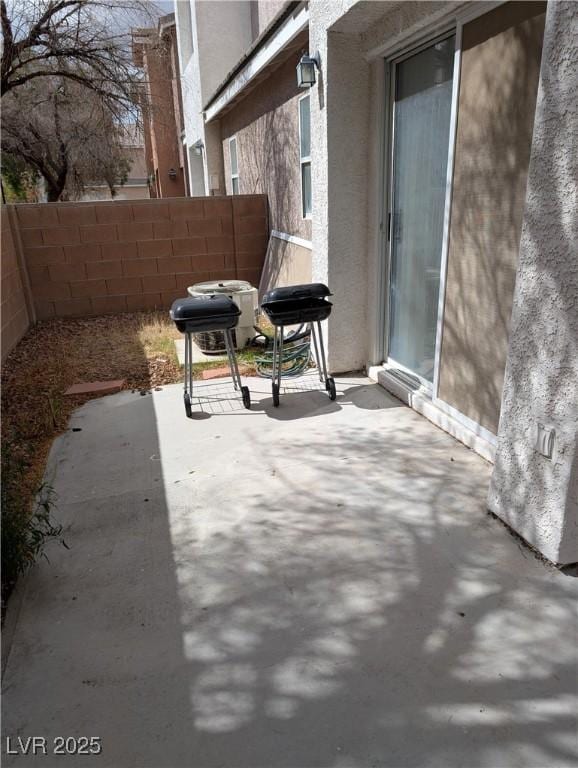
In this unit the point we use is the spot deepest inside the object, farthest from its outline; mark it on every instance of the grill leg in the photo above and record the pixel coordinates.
(188, 375)
(316, 348)
(280, 361)
(322, 348)
(186, 363)
(275, 366)
(190, 343)
(232, 360)
(274, 361)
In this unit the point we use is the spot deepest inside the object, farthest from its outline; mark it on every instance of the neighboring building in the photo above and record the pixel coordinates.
(428, 177)
(155, 51)
(244, 115)
(265, 133)
(212, 37)
(136, 186)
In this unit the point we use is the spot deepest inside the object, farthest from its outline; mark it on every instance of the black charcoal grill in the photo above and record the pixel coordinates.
(296, 305)
(198, 314)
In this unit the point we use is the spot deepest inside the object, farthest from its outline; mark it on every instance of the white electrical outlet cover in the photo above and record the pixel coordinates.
(545, 440)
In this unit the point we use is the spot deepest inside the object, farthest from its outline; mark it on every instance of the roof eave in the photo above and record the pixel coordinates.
(283, 29)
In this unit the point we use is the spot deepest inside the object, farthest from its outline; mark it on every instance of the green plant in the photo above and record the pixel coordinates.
(24, 534)
(18, 179)
(41, 527)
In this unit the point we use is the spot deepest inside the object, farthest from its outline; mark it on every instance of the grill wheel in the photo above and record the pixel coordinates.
(275, 390)
(330, 387)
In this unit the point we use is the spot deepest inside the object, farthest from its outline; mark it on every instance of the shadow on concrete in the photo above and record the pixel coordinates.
(219, 398)
(366, 613)
(313, 593)
(97, 648)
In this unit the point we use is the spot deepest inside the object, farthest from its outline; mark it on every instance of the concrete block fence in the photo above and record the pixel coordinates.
(98, 258)
(15, 310)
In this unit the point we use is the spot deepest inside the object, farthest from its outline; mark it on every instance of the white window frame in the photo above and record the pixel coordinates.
(234, 175)
(304, 160)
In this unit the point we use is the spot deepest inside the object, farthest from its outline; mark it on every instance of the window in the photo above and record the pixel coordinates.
(234, 165)
(305, 155)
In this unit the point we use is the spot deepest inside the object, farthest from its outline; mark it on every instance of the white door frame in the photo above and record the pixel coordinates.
(412, 43)
(448, 207)
(391, 65)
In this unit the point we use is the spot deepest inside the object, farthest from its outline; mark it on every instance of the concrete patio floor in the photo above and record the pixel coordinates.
(315, 585)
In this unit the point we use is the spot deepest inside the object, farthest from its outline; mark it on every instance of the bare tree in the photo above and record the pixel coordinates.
(67, 134)
(84, 41)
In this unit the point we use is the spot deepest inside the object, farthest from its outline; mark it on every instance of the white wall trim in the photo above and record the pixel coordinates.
(233, 176)
(439, 413)
(380, 196)
(448, 206)
(292, 239)
(470, 424)
(293, 26)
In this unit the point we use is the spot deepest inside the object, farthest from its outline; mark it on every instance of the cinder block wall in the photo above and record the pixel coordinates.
(107, 257)
(13, 310)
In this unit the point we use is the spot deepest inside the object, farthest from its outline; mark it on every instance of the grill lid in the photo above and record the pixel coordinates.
(195, 307)
(295, 292)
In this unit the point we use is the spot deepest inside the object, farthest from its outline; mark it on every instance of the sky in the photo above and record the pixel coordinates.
(165, 6)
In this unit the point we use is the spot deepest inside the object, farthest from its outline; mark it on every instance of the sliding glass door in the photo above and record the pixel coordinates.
(421, 104)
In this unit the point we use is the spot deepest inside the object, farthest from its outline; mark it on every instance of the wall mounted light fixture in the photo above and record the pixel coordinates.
(172, 174)
(306, 70)
(198, 147)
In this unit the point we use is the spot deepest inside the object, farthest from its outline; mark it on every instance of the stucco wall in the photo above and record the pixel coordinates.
(494, 136)
(266, 124)
(223, 35)
(537, 496)
(13, 310)
(263, 12)
(191, 92)
(348, 113)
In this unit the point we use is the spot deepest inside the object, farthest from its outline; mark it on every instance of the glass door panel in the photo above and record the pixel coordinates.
(421, 126)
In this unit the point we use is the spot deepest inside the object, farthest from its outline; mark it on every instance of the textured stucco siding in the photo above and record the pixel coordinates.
(339, 137)
(223, 35)
(188, 64)
(494, 136)
(266, 124)
(191, 93)
(538, 497)
(347, 175)
(263, 12)
(401, 19)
